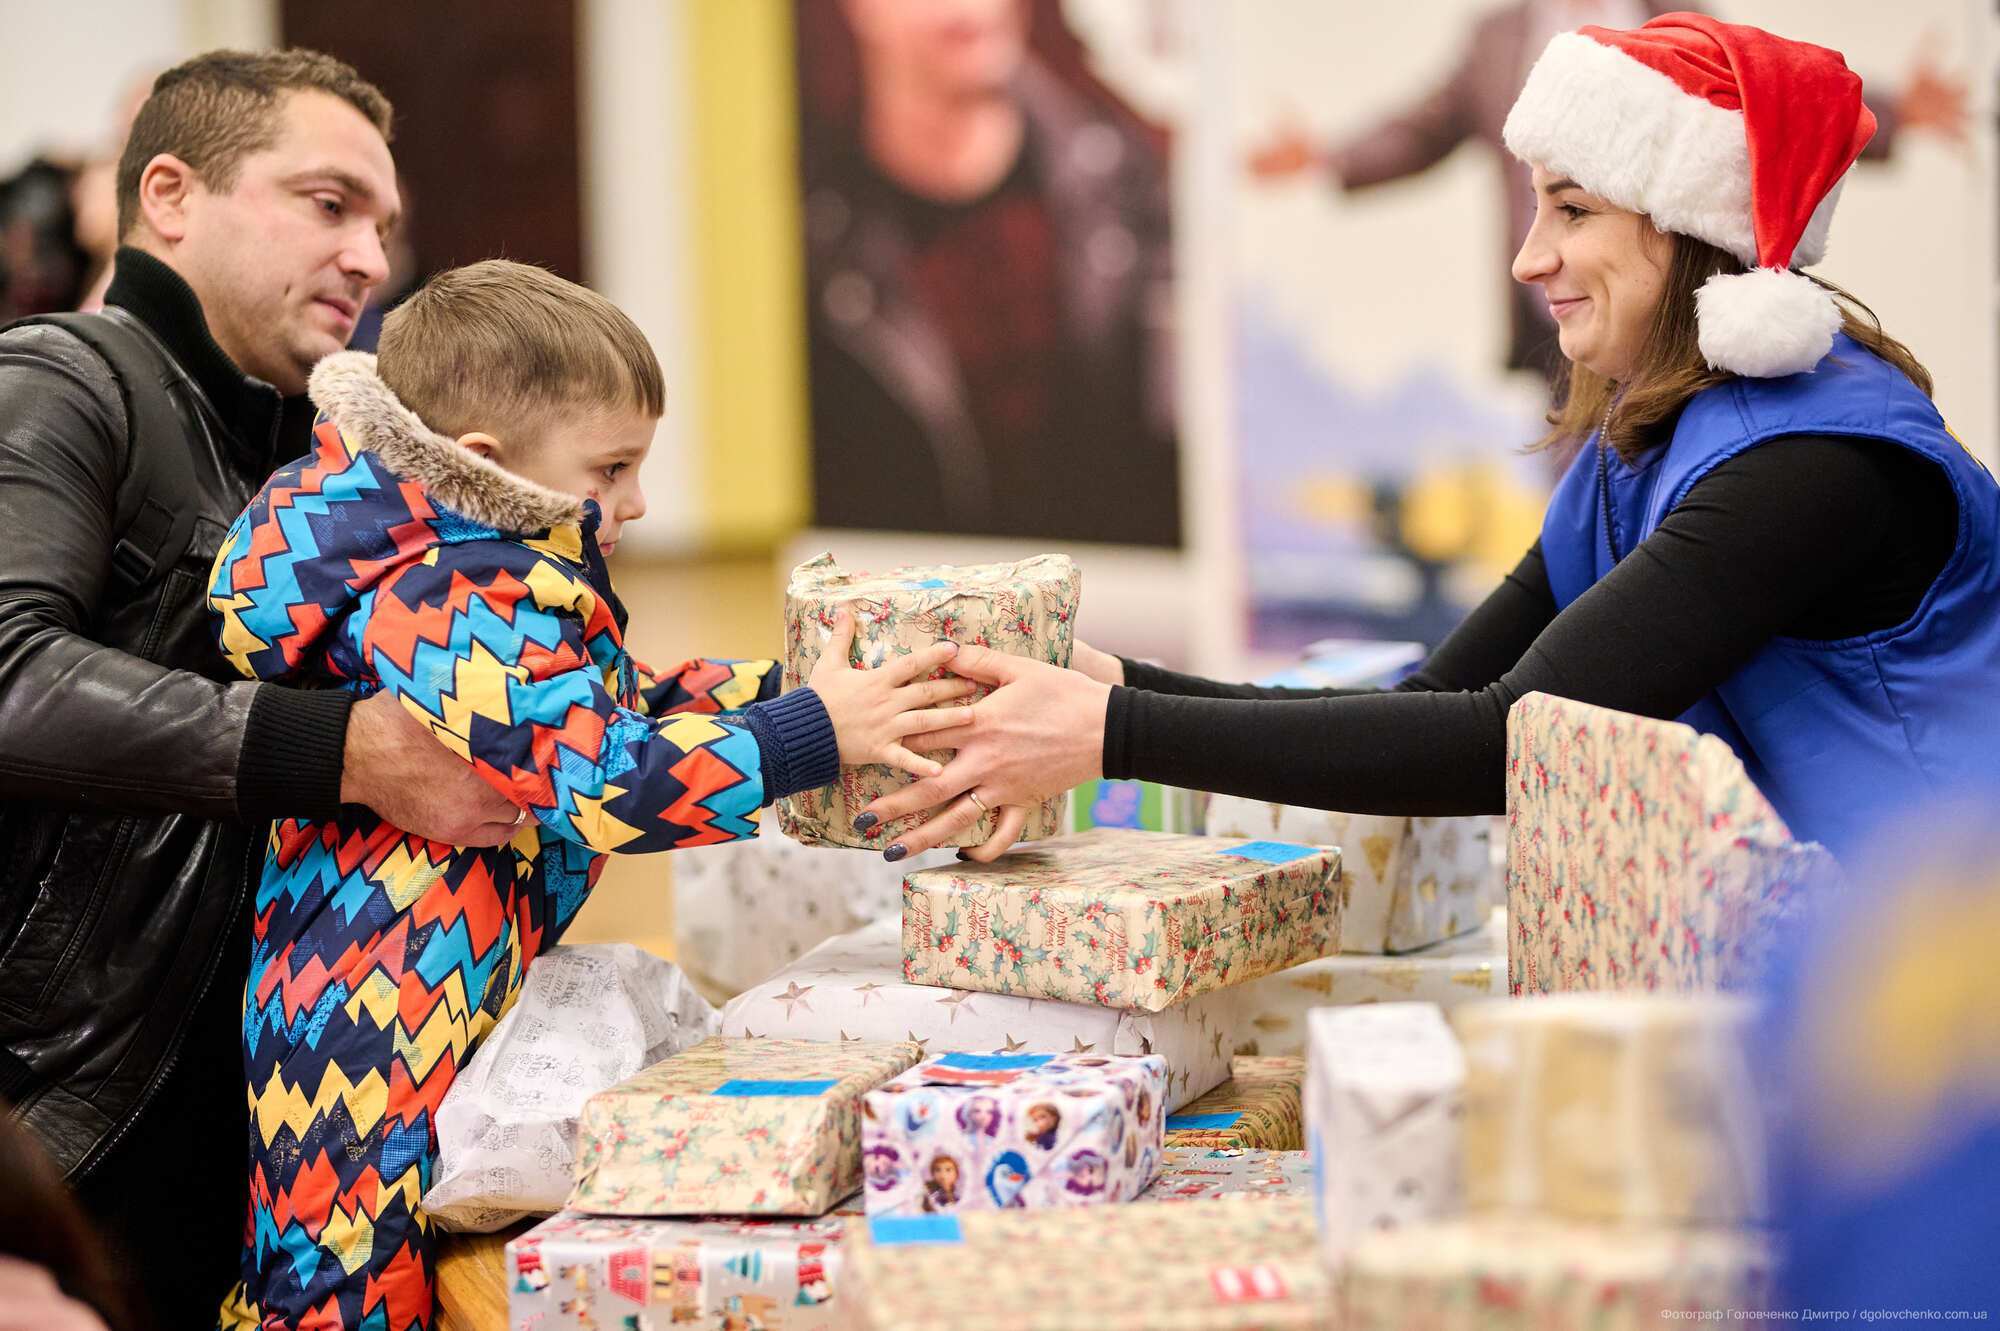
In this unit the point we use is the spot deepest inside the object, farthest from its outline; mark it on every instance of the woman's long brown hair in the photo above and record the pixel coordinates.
(1672, 370)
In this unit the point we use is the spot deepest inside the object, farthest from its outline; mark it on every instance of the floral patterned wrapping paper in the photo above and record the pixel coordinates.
(1640, 856)
(991, 1132)
(1261, 1106)
(732, 1127)
(1486, 1272)
(851, 988)
(1383, 1099)
(1228, 1265)
(1024, 609)
(1412, 882)
(1628, 1107)
(586, 1272)
(1460, 970)
(1121, 918)
(1207, 1174)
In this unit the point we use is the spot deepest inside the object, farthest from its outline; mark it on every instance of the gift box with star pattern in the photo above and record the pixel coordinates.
(852, 988)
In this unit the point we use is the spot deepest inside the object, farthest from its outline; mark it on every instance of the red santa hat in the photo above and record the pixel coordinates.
(1717, 131)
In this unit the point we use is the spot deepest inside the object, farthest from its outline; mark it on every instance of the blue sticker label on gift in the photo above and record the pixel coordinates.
(1202, 1122)
(927, 584)
(1272, 852)
(893, 1229)
(748, 1086)
(991, 1062)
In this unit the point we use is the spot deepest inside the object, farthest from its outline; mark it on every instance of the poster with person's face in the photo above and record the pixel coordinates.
(988, 278)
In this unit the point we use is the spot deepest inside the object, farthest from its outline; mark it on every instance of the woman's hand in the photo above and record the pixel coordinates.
(1038, 733)
(1100, 666)
(874, 710)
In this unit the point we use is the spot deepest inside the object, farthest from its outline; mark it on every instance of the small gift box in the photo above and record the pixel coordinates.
(852, 988)
(1382, 1111)
(1261, 1106)
(1229, 1265)
(1145, 805)
(733, 1127)
(1121, 918)
(1626, 1107)
(1026, 608)
(972, 1132)
(584, 1271)
(1206, 1174)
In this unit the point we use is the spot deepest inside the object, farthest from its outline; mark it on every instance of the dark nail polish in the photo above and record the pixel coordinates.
(963, 856)
(895, 852)
(866, 822)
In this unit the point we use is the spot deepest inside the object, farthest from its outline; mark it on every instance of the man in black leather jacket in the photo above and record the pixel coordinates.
(135, 778)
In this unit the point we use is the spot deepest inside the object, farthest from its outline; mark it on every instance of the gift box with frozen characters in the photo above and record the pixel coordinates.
(1261, 1106)
(1459, 970)
(1481, 1272)
(1206, 1174)
(1145, 805)
(1228, 1265)
(1383, 1100)
(1411, 882)
(579, 1271)
(733, 1127)
(1121, 918)
(852, 988)
(977, 1132)
(1640, 856)
(1027, 608)
(1614, 1107)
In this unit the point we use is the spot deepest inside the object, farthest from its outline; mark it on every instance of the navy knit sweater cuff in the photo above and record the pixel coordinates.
(796, 742)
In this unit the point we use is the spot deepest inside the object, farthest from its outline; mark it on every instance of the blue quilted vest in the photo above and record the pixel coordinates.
(1838, 735)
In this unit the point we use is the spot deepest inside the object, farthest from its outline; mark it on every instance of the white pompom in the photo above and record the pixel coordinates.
(1765, 323)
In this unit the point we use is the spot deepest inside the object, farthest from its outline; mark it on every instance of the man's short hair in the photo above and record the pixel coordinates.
(508, 348)
(218, 108)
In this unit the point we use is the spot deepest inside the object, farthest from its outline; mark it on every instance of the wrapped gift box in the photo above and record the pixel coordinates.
(1627, 1107)
(1461, 970)
(1228, 1265)
(1411, 882)
(1261, 1106)
(583, 1271)
(733, 1127)
(1349, 663)
(1382, 1112)
(980, 1132)
(745, 909)
(1484, 1272)
(1640, 856)
(1026, 608)
(852, 988)
(1122, 919)
(1207, 1174)
(1145, 805)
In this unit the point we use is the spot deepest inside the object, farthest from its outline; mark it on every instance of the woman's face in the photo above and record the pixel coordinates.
(1602, 269)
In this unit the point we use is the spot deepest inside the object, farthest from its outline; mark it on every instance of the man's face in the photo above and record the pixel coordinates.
(284, 261)
(953, 47)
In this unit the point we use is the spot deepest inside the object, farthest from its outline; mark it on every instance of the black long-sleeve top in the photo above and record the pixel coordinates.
(1806, 536)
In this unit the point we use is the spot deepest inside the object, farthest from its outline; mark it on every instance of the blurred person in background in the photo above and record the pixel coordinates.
(136, 773)
(1472, 101)
(989, 278)
(54, 1272)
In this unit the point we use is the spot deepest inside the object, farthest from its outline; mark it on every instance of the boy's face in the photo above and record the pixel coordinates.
(592, 456)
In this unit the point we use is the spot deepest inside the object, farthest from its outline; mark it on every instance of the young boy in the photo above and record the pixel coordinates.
(445, 541)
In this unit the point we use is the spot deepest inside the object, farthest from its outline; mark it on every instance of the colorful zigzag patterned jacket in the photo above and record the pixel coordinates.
(392, 559)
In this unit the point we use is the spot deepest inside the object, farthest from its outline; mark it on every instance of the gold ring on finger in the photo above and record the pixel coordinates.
(973, 795)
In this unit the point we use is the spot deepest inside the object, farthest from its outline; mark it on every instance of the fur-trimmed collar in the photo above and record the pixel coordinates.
(347, 388)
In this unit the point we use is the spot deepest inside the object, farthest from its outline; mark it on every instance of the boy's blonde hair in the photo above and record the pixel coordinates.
(508, 348)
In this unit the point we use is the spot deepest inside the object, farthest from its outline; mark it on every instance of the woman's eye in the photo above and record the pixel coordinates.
(1572, 211)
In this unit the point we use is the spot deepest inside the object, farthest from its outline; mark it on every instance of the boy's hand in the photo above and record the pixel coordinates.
(397, 768)
(872, 710)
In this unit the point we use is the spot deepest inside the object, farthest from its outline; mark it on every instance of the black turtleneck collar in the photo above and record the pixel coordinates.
(270, 427)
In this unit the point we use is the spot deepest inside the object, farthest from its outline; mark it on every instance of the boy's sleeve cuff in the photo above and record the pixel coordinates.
(293, 746)
(796, 743)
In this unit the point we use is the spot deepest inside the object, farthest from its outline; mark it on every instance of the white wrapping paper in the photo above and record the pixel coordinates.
(1384, 1087)
(588, 1017)
(851, 988)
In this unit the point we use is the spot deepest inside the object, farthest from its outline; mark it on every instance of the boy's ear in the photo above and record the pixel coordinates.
(481, 443)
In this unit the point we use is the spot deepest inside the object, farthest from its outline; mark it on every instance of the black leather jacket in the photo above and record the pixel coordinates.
(132, 770)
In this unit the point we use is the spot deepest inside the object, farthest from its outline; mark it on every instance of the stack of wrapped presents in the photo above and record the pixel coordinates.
(1207, 1063)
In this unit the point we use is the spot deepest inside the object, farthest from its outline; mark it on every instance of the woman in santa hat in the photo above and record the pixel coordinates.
(1767, 529)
